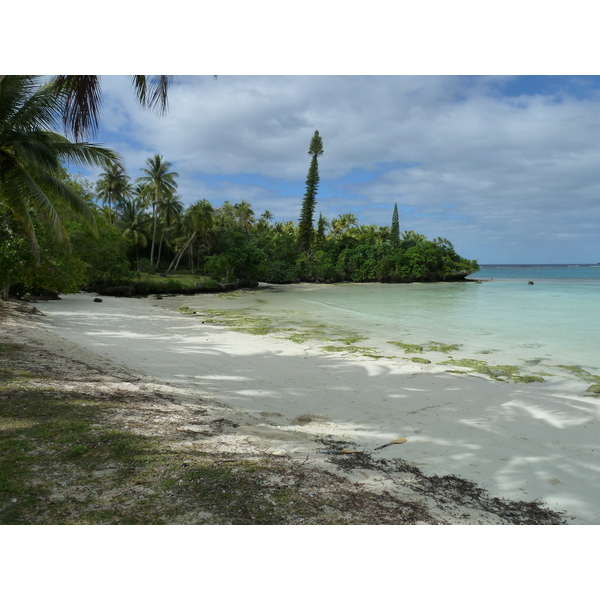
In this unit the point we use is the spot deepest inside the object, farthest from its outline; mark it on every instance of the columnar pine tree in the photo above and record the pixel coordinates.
(305, 225)
(395, 231)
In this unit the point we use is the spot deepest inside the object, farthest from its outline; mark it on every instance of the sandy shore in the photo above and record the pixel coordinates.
(522, 442)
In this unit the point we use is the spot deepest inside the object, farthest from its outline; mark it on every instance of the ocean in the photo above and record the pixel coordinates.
(547, 330)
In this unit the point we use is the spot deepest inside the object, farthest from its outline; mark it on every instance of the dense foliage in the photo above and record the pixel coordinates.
(225, 244)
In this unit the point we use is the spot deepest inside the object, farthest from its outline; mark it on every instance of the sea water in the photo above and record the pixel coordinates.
(504, 320)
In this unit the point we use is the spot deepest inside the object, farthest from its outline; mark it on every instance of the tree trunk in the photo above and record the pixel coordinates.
(180, 254)
(4, 289)
(154, 216)
(162, 235)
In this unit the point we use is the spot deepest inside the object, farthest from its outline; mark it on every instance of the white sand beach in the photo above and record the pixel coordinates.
(518, 441)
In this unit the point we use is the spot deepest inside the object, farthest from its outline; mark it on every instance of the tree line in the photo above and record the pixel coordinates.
(63, 232)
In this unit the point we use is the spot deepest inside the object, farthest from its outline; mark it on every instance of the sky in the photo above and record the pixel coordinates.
(480, 120)
(505, 167)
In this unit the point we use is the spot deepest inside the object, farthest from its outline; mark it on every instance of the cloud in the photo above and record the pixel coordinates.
(502, 166)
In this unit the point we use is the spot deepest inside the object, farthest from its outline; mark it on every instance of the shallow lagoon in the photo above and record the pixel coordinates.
(540, 328)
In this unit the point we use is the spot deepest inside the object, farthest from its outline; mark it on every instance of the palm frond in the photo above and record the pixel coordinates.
(83, 100)
(12, 196)
(56, 189)
(22, 192)
(153, 94)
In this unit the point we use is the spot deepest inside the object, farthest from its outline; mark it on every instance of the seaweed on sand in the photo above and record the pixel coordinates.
(445, 489)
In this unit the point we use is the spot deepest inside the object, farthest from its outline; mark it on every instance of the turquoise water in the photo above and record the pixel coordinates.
(532, 272)
(503, 321)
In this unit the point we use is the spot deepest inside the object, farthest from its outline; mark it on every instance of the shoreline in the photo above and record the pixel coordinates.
(290, 400)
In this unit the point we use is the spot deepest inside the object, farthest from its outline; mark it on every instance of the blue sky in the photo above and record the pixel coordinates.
(505, 167)
(505, 164)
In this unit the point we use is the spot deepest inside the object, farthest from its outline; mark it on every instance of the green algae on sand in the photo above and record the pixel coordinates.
(430, 346)
(496, 372)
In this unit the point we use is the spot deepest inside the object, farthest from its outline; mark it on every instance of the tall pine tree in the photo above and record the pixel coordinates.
(395, 231)
(305, 224)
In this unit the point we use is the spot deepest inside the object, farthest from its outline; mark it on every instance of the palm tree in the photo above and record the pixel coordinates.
(201, 215)
(83, 98)
(113, 187)
(286, 228)
(244, 214)
(160, 182)
(169, 209)
(225, 215)
(343, 224)
(413, 236)
(198, 221)
(32, 175)
(267, 216)
(263, 225)
(142, 194)
(443, 243)
(135, 221)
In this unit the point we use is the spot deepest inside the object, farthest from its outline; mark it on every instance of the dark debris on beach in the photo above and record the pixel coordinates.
(446, 489)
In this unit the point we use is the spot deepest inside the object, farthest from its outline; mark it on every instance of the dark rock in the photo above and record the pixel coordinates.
(97, 299)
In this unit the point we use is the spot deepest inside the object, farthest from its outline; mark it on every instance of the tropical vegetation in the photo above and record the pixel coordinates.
(33, 178)
(60, 232)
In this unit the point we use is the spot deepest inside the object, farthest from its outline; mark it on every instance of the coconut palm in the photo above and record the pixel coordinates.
(113, 187)
(32, 175)
(443, 243)
(225, 215)
(201, 216)
(343, 224)
(244, 214)
(169, 210)
(263, 225)
(286, 228)
(413, 237)
(160, 183)
(198, 222)
(135, 223)
(267, 216)
(142, 194)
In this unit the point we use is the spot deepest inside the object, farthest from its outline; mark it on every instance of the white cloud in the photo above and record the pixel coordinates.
(461, 159)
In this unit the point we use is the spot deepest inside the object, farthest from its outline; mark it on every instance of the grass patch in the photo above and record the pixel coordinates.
(151, 283)
(63, 460)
